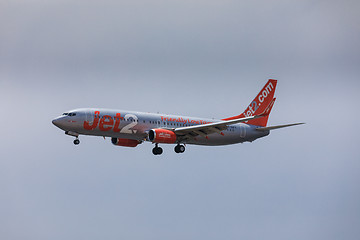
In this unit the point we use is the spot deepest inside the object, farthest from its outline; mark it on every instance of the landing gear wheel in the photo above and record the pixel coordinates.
(157, 150)
(76, 141)
(176, 149)
(182, 148)
(179, 148)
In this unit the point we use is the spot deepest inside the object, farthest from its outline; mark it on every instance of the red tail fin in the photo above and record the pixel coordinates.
(259, 104)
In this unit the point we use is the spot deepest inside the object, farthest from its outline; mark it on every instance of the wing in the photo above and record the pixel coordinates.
(217, 127)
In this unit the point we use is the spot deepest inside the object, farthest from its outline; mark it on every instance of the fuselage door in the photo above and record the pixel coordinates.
(89, 117)
(242, 131)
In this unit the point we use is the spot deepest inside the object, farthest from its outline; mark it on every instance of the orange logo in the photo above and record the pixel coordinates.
(105, 123)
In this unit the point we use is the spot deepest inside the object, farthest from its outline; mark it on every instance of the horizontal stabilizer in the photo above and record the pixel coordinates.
(278, 126)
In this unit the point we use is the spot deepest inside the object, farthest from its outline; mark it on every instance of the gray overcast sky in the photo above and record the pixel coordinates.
(198, 58)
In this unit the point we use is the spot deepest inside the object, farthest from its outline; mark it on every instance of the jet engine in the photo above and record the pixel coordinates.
(162, 136)
(124, 142)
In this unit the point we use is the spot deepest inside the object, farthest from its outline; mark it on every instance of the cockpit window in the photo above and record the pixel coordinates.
(69, 114)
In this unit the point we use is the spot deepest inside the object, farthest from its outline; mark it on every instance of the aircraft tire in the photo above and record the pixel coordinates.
(76, 141)
(179, 148)
(176, 149)
(157, 150)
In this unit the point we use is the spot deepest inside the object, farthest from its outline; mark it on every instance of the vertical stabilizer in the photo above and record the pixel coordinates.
(259, 104)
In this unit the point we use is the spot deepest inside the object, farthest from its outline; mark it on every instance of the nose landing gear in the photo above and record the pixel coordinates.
(74, 134)
(76, 141)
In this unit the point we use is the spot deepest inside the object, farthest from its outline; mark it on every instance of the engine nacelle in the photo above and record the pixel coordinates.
(162, 136)
(124, 142)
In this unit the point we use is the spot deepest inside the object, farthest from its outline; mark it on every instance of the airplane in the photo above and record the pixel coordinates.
(130, 128)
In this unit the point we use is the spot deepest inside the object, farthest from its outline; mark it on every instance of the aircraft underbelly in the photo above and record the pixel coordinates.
(227, 139)
(135, 135)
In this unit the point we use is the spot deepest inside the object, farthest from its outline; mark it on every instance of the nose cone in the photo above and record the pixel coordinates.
(55, 122)
(59, 122)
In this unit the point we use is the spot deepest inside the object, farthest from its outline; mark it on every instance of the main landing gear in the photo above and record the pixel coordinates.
(157, 150)
(179, 148)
